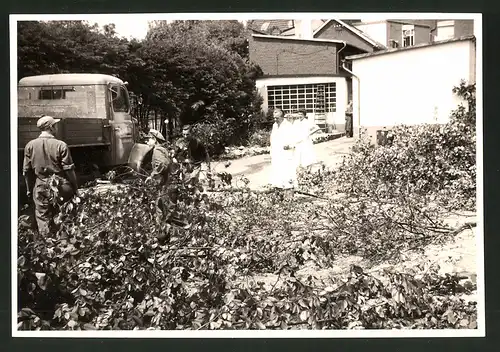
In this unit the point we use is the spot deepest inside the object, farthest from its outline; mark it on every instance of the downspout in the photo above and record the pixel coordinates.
(338, 52)
(338, 56)
(359, 102)
(431, 38)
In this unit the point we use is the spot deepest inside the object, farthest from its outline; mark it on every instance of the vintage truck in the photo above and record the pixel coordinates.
(95, 117)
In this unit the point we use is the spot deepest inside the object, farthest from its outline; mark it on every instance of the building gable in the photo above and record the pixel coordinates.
(340, 30)
(334, 30)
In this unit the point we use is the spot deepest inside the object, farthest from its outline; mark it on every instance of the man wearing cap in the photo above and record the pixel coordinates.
(160, 159)
(44, 157)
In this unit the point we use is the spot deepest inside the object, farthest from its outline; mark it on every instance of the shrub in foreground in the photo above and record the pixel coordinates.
(436, 160)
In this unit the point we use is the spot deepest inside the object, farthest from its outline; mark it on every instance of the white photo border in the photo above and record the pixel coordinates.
(434, 333)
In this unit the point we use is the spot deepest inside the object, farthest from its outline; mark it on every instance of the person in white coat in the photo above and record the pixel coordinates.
(300, 130)
(305, 147)
(276, 150)
(289, 139)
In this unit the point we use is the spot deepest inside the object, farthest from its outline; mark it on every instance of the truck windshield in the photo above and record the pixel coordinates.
(120, 101)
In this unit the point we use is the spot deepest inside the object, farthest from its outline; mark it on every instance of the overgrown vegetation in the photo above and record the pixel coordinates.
(434, 161)
(190, 263)
(232, 258)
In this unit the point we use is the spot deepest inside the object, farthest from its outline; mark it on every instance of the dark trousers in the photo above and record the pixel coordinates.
(44, 208)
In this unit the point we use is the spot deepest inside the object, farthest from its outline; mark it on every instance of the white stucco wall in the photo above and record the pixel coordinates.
(375, 30)
(337, 118)
(411, 86)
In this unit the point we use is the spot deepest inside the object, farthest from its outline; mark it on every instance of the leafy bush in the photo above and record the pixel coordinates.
(186, 265)
(192, 259)
(261, 138)
(194, 78)
(430, 159)
(216, 135)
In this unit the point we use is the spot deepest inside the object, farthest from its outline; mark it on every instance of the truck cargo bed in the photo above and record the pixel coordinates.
(76, 132)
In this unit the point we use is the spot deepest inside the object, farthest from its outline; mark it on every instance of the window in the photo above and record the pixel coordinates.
(408, 35)
(120, 101)
(319, 98)
(53, 93)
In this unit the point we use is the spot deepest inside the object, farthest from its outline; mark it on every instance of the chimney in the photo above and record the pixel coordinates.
(303, 29)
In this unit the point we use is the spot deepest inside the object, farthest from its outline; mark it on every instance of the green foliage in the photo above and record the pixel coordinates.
(260, 138)
(70, 46)
(119, 279)
(196, 81)
(216, 135)
(189, 262)
(231, 35)
(433, 160)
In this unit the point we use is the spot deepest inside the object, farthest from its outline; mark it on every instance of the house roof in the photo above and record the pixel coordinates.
(393, 50)
(315, 25)
(312, 40)
(285, 27)
(280, 37)
(410, 23)
(354, 30)
(265, 26)
(289, 32)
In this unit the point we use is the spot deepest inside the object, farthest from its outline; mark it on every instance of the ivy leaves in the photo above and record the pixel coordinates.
(150, 256)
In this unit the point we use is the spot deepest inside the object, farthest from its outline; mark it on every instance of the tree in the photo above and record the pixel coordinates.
(69, 46)
(229, 34)
(196, 75)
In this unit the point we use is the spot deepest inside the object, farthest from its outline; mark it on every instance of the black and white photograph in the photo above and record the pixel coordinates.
(247, 175)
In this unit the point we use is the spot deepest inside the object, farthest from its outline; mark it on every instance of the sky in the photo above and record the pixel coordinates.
(136, 28)
(136, 25)
(129, 27)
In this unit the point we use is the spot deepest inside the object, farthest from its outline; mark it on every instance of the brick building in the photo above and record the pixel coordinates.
(303, 60)
(303, 72)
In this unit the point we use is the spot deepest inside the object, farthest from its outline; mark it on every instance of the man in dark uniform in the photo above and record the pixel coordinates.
(46, 157)
(194, 150)
(160, 159)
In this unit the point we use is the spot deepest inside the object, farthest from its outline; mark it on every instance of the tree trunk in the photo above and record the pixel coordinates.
(170, 128)
(163, 127)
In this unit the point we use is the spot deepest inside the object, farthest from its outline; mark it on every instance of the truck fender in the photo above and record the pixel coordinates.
(138, 154)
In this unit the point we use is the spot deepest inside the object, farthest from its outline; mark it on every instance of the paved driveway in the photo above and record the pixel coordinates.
(256, 168)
